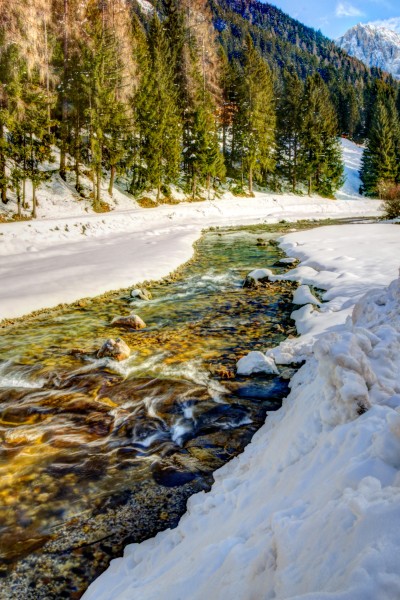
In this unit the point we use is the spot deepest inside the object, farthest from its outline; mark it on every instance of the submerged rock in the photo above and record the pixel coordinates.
(132, 321)
(115, 349)
(257, 277)
(286, 262)
(256, 362)
(140, 294)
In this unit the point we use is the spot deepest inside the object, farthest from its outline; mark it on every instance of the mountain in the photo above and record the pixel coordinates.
(375, 45)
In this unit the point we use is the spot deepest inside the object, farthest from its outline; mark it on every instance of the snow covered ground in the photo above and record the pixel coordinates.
(60, 258)
(310, 510)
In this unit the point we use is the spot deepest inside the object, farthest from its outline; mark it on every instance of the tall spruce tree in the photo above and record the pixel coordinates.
(379, 162)
(290, 123)
(157, 117)
(255, 121)
(321, 161)
(106, 113)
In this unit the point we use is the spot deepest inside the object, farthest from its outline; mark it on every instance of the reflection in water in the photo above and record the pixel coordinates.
(95, 453)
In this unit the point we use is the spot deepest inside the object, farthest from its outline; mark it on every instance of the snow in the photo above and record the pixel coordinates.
(258, 274)
(352, 154)
(303, 295)
(375, 44)
(256, 362)
(70, 253)
(310, 509)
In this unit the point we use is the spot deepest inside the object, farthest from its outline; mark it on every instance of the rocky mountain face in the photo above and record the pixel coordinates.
(376, 46)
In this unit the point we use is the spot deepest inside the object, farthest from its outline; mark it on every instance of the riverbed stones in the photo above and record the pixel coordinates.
(115, 349)
(256, 362)
(132, 321)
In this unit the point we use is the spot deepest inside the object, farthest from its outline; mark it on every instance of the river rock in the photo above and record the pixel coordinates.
(140, 294)
(115, 349)
(256, 277)
(132, 321)
(286, 262)
(256, 362)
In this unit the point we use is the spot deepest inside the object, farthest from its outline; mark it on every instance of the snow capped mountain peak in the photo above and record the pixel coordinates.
(375, 44)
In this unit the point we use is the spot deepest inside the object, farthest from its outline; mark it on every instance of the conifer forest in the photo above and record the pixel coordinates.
(188, 93)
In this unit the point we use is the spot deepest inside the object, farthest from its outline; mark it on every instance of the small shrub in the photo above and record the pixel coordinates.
(389, 193)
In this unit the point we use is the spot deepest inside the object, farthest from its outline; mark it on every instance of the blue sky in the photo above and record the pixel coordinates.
(334, 17)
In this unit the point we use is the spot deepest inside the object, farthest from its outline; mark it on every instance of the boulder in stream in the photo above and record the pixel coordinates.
(115, 349)
(256, 362)
(257, 277)
(132, 321)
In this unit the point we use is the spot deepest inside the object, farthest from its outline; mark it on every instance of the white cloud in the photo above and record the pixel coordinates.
(393, 24)
(344, 9)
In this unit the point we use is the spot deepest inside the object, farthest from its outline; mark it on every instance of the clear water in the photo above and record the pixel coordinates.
(76, 431)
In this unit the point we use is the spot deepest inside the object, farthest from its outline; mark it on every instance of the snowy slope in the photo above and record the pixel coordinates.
(374, 45)
(310, 509)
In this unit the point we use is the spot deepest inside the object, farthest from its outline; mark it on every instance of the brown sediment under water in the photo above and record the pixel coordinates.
(95, 454)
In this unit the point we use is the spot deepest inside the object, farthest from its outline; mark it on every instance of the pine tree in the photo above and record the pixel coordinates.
(106, 112)
(321, 163)
(36, 142)
(255, 122)
(156, 117)
(202, 154)
(11, 72)
(290, 113)
(379, 163)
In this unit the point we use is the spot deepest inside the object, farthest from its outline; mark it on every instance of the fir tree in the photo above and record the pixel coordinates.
(321, 163)
(290, 115)
(255, 121)
(156, 116)
(202, 153)
(379, 163)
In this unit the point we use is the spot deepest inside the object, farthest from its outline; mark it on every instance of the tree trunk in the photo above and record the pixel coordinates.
(112, 179)
(98, 191)
(310, 185)
(3, 169)
(64, 101)
(250, 180)
(19, 199)
(194, 187)
(208, 185)
(24, 204)
(34, 202)
(77, 180)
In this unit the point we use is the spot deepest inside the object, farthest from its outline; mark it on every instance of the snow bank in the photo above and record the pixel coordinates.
(70, 253)
(64, 259)
(310, 509)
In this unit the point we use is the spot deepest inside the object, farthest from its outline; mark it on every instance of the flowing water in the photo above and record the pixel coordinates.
(95, 453)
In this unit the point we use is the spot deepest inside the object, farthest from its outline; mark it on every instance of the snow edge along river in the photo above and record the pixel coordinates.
(310, 509)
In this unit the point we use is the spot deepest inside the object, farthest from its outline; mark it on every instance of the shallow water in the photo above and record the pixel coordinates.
(79, 435)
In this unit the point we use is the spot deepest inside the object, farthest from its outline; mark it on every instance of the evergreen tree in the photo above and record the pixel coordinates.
(157, 117)
(106, 113)
(202, 154)
(321, 163)
(34, 138)
(379, 163)
(255, 121)
(11, 73)
(290, 113)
